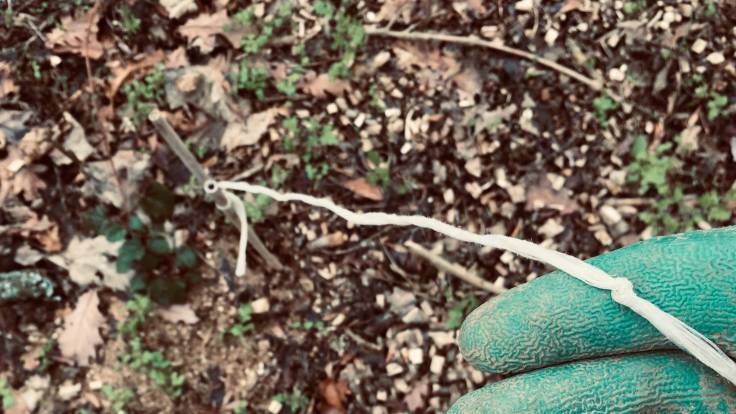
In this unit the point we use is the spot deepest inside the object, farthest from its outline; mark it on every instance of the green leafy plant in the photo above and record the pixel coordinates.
(716, 104)
(294, 400)
(251, 78)
(153, 363)
(311, 142)
(129, 22)
(147, 249)
(379, 173)
(348, 37)
(671, 212)
(603, 106)
(119, 397)
(632, 7)
(650, 170)
(459, 311)
(6, 394)
(36, 68)
(43, 357)
(308, 324)
(144, 95)
(241, 408)
(245, 323)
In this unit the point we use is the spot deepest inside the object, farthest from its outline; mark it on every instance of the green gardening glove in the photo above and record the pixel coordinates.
(571, 349)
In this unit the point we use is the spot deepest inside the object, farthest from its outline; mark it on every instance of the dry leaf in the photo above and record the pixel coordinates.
(81, 330)
(7, 86)
(573, 5)
(179, 313)
(468, 81)
(477, 6)
(416, 398)
(392, 9)
(101, 182)
(178, 8)
(363, 188)
(16, 177)
(77, 36)
(334, 394)
(541, 195)
(321, 85)
(20, 406)
(76, 140)
(178, 58)
(236, 134)
(35, 143)
(203, 29)
(85, 258)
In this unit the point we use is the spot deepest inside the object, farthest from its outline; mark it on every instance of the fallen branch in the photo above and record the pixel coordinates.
(498, 46)
(175, 143)
(454, 269)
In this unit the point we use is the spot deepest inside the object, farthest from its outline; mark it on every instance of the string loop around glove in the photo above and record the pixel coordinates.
(622, 290)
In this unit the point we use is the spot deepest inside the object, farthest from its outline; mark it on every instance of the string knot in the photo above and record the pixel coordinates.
(622, 290)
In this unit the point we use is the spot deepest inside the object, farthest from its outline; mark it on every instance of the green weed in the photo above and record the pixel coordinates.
(311, 141)
(632, 7)
(251, 78)
(147, 250)
(6, 394)
(241, 408)
(245, 323)
(459, 311)
(308, 324)
(118, 397)
(129, 22)
(671, 212)
(295, 400)
(36, 68)
(142, 96)
(716, 104)
(603, 105)
(152, 363)
(379, 174)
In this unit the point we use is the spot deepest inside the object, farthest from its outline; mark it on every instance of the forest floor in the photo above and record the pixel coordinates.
(601, 124)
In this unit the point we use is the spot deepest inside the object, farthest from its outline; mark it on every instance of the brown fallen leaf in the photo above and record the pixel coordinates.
(542, 195)
(17, 177)
(468, 81)
(179, 313)
(203, 29)
(334, 395)
(178, 8)
(392, 9)
(20, 406)
(320, 86)
(177, 59)
(236, 134)
(477, 6)
(573, 5)
(416, 398)
(81, 334)
(7, 86)
(363, 188)
(77, 36)
(85, 259)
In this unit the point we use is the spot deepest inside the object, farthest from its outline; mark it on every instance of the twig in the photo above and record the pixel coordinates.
(498, 46)
(175, 143)
(453, 268)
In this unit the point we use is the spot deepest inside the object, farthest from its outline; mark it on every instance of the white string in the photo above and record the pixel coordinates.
(622, 290)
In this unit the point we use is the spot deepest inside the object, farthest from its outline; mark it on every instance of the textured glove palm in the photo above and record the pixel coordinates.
(572, 349)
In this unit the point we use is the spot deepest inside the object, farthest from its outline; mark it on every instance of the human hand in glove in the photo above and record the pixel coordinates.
(570, 349)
